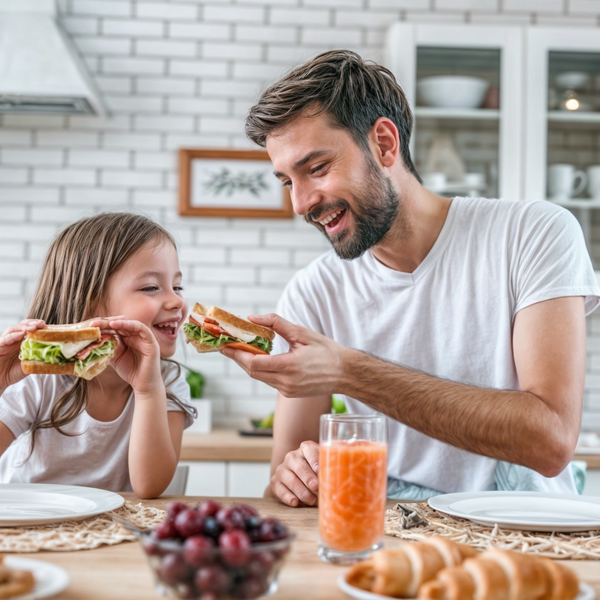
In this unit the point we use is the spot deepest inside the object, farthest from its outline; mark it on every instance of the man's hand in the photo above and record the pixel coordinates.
(314, 366)
(295, 480)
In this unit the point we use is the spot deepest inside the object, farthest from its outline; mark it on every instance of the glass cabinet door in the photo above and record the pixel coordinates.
(464, 86)
(563, 124)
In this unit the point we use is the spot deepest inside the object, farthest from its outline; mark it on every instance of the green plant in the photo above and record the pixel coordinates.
(228, 183)
(338, 406)
(196, 382)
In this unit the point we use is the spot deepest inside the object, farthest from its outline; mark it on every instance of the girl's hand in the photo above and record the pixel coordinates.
(10, 343)
(137, 358)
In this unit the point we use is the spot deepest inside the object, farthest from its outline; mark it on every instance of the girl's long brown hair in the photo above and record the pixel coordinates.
(74, 284)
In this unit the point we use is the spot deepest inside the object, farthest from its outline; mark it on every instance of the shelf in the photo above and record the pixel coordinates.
(474, 114)
(563, 116)
(577, 203)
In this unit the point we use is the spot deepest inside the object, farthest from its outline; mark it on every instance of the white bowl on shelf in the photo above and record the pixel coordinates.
(572, 80)
(452, 91)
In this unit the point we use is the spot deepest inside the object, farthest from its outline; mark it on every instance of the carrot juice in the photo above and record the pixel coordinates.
(352, 496)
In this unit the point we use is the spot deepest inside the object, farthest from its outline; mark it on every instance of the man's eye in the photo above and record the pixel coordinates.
(318, 168)
(287, 183)
(150, 288)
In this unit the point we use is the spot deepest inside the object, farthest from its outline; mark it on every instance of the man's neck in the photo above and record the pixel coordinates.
(419, 223)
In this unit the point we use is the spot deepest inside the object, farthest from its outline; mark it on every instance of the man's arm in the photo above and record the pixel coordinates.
(536, 426)
(295, 458)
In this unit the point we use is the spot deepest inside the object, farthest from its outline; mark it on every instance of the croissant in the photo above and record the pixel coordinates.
(503, 575)
(401, 571)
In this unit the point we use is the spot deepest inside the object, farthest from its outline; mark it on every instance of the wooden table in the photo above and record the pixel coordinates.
(121, 572)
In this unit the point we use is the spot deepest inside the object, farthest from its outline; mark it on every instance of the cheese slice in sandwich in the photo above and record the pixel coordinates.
(75, 349)
(210, 329)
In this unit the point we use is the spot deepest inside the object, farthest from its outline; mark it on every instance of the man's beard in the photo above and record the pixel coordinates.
(376, 207)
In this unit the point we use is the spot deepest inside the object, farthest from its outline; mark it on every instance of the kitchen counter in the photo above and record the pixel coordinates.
(592, 460)
(120, 572)
(225, 445)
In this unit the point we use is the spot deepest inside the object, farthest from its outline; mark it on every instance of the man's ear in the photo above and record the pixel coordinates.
(385, 142)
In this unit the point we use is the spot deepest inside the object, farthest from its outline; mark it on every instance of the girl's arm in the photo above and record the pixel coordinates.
(155, 434)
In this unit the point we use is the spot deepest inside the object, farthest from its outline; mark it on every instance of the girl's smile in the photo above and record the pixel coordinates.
(147, 288)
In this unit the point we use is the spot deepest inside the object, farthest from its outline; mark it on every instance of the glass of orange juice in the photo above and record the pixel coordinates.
(352, 486)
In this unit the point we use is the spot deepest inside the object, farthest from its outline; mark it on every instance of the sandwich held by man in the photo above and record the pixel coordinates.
(462, 320)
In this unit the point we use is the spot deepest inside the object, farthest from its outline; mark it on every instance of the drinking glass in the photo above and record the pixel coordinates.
(352, 486)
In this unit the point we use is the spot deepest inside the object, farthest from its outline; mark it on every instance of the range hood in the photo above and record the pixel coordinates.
(40, 69)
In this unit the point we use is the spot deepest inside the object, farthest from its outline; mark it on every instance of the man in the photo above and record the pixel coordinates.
(460, 320)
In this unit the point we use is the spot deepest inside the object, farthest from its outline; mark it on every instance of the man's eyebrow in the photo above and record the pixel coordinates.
(301, 162)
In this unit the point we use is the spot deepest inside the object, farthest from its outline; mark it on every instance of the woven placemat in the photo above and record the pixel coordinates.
(574, 546)
(80, 535)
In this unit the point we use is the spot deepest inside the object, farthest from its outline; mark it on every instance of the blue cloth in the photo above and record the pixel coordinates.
(509, 477)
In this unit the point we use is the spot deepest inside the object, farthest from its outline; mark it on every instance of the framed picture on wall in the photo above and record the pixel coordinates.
(230, 183)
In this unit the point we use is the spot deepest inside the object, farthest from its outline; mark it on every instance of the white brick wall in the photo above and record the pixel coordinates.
(184, 73)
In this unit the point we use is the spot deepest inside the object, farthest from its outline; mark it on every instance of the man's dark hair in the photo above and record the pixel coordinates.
(353, 92)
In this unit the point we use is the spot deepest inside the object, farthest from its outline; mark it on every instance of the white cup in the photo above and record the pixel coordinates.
(593, 175)
(562, 181)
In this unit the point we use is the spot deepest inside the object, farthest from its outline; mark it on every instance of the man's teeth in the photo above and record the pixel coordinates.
(330, 218)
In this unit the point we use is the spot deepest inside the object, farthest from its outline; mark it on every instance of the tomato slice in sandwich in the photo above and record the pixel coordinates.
(247, 347)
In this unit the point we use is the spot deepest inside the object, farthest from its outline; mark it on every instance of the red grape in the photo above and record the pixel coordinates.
(174, 508)
(271, 530)
(197, 550)
(211, 578)
(246, 510)
(230, 518)
(166, 530)
(173, 569)
(208, 508)
(188, 523)
(236, 547)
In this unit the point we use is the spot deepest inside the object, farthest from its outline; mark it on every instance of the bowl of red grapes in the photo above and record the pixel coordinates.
(212, 552)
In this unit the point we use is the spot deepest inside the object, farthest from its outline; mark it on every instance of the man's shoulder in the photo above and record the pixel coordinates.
(496, 217)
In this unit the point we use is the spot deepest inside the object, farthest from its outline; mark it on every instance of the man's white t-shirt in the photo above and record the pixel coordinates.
(452, 317)
(98, 457)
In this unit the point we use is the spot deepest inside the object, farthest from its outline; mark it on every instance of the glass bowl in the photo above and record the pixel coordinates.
(214, 573)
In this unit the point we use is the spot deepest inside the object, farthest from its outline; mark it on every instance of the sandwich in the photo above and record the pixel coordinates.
(210, 329)
(75, 349)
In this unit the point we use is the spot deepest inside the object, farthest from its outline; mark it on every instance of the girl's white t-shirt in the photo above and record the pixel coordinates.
(98, 457)
(452, 317)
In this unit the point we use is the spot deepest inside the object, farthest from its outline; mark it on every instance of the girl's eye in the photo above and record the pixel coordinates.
(150, 288)
(178, 288)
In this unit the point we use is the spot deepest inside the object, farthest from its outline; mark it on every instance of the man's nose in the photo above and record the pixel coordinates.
(304, 199)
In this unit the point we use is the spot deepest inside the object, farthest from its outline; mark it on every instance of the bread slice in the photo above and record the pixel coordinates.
(64, 333)
(225, 317)
(34, 367)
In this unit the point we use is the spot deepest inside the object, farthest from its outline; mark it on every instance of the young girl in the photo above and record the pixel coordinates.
(122, 429)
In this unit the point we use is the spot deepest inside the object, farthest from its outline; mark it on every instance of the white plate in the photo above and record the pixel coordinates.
(49, 579)
(42, 503)
(529, 511)
(586, 591)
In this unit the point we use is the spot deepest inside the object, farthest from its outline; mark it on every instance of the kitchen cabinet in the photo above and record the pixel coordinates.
(223, 463)
(548, 110)
(483, 137)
